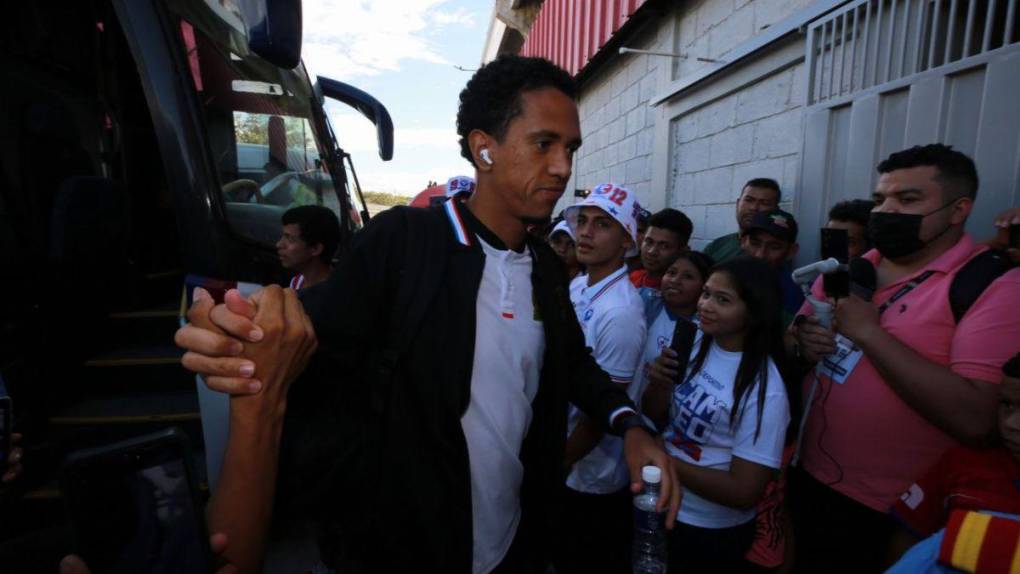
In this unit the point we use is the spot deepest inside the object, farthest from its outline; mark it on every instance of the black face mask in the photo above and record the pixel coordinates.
(897, 235)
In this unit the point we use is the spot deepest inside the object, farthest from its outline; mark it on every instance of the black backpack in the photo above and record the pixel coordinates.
(973, 278)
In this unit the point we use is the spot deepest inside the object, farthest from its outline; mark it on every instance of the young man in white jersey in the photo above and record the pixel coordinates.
(597, 503)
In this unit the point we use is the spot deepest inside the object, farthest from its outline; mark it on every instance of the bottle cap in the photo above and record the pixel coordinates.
(651, 474)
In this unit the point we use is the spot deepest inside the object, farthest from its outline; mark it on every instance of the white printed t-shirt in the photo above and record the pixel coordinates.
(699, 430)
(509, 346)
(612, 317)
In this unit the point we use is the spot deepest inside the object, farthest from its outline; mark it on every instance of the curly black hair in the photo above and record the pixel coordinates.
(957, 172)
(492, 96)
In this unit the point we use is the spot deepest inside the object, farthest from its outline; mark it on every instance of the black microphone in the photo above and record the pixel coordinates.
(863, 278)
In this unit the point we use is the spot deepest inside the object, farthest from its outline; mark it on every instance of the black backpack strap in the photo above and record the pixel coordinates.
(418, 282)
(973, 278)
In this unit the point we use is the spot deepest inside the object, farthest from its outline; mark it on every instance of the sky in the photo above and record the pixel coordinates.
(403, 52)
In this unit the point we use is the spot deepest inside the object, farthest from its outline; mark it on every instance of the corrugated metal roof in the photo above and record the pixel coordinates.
(571, 32)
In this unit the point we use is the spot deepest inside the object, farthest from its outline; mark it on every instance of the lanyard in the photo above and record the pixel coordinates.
(905, 289)
(901, 293)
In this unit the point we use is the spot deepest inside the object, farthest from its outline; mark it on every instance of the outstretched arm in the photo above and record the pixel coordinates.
(241, 505)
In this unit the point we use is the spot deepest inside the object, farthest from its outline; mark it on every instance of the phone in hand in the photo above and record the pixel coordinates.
(685, 333)
(836, 244)
(6, 422)
(134, 506)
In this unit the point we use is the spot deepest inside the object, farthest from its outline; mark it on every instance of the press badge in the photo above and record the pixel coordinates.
(838, 366)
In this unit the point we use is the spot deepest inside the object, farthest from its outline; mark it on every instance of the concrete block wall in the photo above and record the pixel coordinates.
(715, 149)
(711, 150)
(617, 124)
(712, 28)
(755, 132)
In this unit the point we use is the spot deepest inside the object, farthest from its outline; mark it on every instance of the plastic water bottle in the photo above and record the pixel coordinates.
(648, 555)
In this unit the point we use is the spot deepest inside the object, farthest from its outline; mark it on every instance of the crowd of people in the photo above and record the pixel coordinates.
(516, 414)
(465, 394)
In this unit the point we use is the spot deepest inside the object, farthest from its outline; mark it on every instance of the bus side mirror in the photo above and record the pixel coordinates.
(369, 107)
(274, 30)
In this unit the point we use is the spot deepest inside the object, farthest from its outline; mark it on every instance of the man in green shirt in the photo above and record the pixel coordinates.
(758, 195)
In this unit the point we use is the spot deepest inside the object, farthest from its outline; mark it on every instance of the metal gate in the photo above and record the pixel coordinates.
(884, 75)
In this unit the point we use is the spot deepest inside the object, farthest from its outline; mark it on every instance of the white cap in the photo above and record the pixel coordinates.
(565, 228)
(618, 201)
(459, 184)
(651, 474)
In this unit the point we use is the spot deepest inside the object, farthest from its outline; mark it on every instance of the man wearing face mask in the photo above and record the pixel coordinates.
(899, 380)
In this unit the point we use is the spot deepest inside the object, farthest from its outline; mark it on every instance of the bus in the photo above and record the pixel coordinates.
(136, 141)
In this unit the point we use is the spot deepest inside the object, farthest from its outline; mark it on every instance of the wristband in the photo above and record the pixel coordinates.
(630, 421)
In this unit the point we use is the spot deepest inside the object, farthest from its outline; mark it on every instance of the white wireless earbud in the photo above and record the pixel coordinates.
(484, 153)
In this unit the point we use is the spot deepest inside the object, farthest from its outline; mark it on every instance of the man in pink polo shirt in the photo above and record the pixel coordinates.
(897, 380)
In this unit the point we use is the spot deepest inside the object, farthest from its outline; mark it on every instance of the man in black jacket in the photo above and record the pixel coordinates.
(438, 424)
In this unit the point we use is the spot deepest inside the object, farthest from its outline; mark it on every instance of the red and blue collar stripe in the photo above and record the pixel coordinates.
(457, 223)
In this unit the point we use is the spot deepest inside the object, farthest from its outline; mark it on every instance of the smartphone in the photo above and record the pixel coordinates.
(6, 422)
(1014, 236)
(134, 506)
(684, 334)
(836, 244)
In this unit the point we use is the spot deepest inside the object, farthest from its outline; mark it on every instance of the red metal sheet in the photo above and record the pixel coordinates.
(571, 32)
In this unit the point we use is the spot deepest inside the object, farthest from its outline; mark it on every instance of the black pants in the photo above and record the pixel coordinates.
(517, 559)
(696, 549)
(835, 533)
(596, 531)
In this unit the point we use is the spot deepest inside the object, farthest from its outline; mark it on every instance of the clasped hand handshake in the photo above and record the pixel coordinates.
(251, 349)
(248, 347)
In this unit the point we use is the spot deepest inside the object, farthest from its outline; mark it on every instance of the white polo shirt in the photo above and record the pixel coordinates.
(509, 350)
(509, 347)
(612, 317)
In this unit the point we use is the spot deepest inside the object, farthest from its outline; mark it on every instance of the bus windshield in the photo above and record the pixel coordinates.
(259, 119)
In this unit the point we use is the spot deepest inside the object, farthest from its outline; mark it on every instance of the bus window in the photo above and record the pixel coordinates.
(279, 154)
(266, 147)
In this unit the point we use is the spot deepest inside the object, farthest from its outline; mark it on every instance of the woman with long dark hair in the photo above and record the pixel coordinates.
(727, 416)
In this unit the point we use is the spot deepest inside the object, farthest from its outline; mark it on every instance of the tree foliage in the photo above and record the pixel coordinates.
(383, 198)
(254, 129)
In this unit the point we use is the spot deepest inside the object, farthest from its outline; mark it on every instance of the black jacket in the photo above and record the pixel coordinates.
(388, 476)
